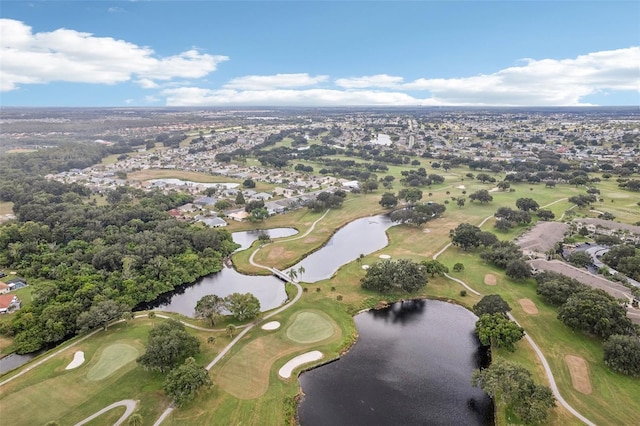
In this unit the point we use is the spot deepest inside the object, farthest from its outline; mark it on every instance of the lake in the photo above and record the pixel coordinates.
(246, 238)
(411, 365)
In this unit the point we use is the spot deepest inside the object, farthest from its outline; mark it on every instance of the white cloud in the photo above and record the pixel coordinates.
(194, 96)
(549, 82)
(72, 56)
(278, 81)
(379, 80)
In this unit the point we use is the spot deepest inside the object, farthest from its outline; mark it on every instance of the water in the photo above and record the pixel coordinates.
(246, 238)
(268, 289)
(12, 361)
(412, 365)
(362, 236)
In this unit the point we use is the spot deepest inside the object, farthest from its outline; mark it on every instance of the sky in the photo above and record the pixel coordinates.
(319, 53)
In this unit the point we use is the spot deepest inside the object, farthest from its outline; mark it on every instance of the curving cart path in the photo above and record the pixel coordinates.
(536, 349)
(129, 404)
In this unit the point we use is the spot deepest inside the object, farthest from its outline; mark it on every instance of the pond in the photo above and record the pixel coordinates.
(268, 289)
(246, 238)
(411, 365)
(362, 236)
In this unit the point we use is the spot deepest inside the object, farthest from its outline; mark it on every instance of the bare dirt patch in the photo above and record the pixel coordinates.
(528, 306)
(279, 253)
(579, 370)
(490, 279)
(311, 240)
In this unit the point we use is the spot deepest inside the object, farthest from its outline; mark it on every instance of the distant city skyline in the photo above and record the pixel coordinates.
(319, 53)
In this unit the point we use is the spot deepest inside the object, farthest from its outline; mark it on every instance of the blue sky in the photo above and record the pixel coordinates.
(325, 53)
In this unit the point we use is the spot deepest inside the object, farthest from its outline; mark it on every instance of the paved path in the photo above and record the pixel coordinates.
(129, 404)
(248, 327)
(543, 360)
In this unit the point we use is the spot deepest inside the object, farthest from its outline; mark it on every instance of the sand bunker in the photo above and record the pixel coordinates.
(490, 279)
(460, 187)
(272, 325)
(287, 369)
(579, 370)
(78, 360)
(528, 306)
(365, 266)
(384, 256)
(496, 189)
(426, 230)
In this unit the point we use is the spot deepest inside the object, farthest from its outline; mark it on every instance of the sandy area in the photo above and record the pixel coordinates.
(579, 370)
(528, 306)
(365, 266)
(496, 189)
(287, 369)
(490, 279)
(426, 230)
(272, 325)
(78, 360)
(460, 187)
(384, 256)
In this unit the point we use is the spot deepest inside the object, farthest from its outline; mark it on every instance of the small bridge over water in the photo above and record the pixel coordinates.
(280, 274)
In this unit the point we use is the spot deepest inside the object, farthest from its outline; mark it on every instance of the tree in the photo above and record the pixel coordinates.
(482, 196)
(210, 307)
(465, 236)
(100, 315)
(556, 288)
(388, 200)
(498, 331)
(527, 204)
(460, 201)
(410, 195)
(582, 200)
(596, 312)
(622, 354)
(183, 383)
(292, 274)
(243, 306)
(518, 269)
(259, 214)
(491, 304)
(504, 185)
(388, 275)
(168, 345)
(433, 267)
(249, 183)
(231, 329)
(581, 259)
(512, 385)
(458, 267)
(240, 198)
(135, 420)
(546, 215)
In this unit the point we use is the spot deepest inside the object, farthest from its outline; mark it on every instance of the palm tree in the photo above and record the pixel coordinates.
(135, 420)
(230, 330)
(292, 274)
(301, 271)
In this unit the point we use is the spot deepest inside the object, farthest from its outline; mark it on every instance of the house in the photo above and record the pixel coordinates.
(239, 216)
(205, 201)
(4, 288)
(8, 303)
(214, 222)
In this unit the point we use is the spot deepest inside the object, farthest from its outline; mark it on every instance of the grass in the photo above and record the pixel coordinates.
(111, 359)
(145, 175)
(248, 389)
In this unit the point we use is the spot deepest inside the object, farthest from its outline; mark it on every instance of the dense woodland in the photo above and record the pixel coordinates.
(78, 254)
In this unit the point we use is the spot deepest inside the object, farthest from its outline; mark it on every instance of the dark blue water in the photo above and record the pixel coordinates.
(412, 365)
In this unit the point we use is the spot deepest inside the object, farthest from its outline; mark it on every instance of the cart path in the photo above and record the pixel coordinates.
(536, 349)
(129, 404)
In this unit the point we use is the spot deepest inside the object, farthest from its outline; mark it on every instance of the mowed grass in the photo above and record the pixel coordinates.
(112, 358)
(615, 397)
(6, 207)
(69, 396)
(310, 327)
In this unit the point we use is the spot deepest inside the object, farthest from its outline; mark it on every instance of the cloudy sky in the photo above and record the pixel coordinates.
(319, 53)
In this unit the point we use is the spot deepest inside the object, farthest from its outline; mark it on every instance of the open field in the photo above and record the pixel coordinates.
(6, 207)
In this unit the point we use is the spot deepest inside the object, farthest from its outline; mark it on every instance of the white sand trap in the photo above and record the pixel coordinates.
(496, 189)
(365, 266)
(272, 325)
(460, 187)
(78, 360)
(384, 256)
(426, 230)
(287, 369)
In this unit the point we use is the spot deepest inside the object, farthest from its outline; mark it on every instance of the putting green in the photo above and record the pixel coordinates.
(310, 327)
(111, 359)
